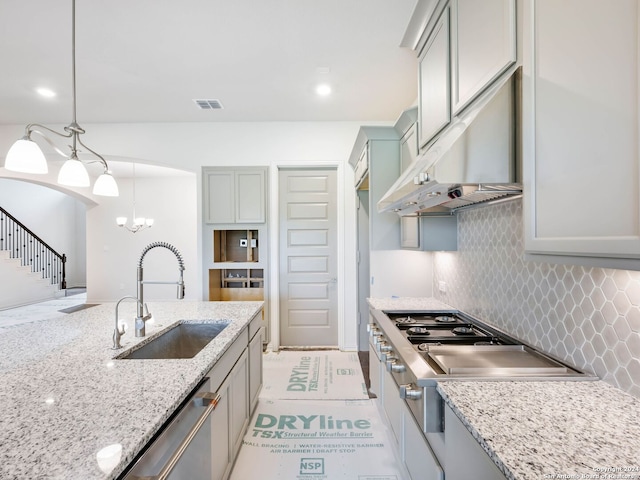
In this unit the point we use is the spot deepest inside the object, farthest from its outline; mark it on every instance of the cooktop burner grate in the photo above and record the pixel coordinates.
(405, 321)
(418, 331)
(464, 331)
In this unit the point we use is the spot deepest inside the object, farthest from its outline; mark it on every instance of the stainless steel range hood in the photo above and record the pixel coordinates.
(475, 160)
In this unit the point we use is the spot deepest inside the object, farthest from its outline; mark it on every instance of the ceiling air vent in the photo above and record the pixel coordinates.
(209, 104)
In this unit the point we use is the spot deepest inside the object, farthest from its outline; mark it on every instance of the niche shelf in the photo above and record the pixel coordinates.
(235, 246)
(236, 284)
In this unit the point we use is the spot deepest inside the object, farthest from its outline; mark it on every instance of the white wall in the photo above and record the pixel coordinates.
(113, 252)
(56, 218)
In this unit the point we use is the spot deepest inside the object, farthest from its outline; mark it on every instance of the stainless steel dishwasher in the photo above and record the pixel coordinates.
(193, 444)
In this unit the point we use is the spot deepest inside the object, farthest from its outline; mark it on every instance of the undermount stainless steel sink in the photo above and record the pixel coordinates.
(185, 340)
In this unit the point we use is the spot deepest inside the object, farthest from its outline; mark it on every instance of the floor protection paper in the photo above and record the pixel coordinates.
(318, 440)
(309, 375)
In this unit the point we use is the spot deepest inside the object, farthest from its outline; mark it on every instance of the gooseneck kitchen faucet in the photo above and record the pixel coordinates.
(141, 318)
(120, 329)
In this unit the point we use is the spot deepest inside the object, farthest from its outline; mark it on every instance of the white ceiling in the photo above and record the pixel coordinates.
(146, 60)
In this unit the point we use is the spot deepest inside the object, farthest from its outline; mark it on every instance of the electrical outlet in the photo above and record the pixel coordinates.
(442, 286)
(243, 242)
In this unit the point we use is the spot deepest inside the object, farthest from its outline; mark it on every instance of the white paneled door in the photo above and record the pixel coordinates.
(308, 264)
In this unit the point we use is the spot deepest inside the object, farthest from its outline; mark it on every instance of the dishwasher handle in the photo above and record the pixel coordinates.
(202, 399)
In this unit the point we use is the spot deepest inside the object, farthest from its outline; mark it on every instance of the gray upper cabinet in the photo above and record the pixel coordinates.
(409, 226)
(580, 131)
(483, 45)
(234, 195)
(434, 81)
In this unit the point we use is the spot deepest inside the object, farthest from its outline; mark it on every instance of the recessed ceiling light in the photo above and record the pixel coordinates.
(323, 90)
(46, 92)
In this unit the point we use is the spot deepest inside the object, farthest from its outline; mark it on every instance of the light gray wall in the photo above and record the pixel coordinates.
(588, 317)
(58, 219)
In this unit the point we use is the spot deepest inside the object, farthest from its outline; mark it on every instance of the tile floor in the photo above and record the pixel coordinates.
(37, 312)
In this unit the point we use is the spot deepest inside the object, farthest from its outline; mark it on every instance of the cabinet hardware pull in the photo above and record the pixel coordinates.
(208, 399)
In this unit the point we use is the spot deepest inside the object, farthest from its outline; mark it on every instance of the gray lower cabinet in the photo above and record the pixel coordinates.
(453, 454)
(203, 440)
(255, 364)
(393, 406)
(231, 415)
(414, 449)
(464, 457)
(220, 452)
(374, 372)
(418, 455)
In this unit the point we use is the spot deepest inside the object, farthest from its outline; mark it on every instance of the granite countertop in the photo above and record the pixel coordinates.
(65, 398)
(543, 429)
(553, 429)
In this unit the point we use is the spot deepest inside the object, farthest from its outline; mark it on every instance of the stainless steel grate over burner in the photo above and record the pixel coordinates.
(446, 319)
(405, 320)
(463, 331)
(418, 331)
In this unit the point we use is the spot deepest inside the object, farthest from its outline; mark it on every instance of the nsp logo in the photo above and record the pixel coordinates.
(312, 466)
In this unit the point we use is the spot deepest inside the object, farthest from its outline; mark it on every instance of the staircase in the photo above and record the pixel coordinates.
(30, 270)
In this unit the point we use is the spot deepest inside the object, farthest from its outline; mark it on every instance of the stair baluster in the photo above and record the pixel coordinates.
(32, 251)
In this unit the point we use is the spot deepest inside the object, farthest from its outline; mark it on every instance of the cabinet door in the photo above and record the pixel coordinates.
(460, 444)
(250, 197)
(434, 84)
(361, 168)
(220, 197)
(418, 456)
(374, 372)
(580, 128)
(221, 459)
(409, 226)
(483, 45)
(239, 406)
(392, 404)
(255, 369)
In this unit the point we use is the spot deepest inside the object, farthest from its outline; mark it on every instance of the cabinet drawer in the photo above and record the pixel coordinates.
(418, 455)
(255, 324)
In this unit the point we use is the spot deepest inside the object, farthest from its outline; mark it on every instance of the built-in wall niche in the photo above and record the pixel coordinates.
(236, 284)
(235, 246)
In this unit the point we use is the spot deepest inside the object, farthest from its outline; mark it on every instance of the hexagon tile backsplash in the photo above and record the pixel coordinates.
(588, 317)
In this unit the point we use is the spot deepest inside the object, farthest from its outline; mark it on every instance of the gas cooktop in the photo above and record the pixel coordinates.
(455, 344)
(441, 328)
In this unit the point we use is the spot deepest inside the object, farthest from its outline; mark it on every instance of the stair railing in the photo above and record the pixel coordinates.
(32, 251)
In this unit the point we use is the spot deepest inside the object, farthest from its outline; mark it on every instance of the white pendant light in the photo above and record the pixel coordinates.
(106, 186)
(25, 156)
(73, 174)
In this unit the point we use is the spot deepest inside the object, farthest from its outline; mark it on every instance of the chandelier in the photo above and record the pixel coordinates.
(26, 156)
(138, 223)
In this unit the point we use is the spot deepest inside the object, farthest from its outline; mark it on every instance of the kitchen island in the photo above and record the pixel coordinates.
(65, 397)
(534, 429)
